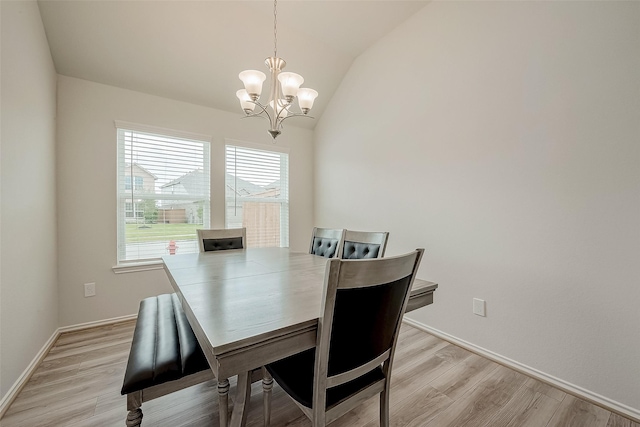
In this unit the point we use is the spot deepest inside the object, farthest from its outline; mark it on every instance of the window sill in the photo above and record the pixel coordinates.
(137, 267)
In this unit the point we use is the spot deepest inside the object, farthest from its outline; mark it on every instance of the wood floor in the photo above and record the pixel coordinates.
(434, 384)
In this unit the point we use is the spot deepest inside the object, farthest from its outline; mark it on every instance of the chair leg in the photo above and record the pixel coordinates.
(384, 408)
(134, 418)
(319, 421)
(134, 403)
(267, 386)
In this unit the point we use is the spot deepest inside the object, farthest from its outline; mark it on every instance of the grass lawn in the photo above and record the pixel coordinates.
(137, 233)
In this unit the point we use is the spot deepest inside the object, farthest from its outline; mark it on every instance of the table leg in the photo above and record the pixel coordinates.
(241, 401)
(267, 386)
(223, 401)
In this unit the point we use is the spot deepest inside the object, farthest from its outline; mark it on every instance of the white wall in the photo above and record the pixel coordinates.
(87, 207)
(504, 137)
(28, 284)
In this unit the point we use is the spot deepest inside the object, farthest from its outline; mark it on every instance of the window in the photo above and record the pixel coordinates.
(163, 191)
(257, 195)
(138, 182)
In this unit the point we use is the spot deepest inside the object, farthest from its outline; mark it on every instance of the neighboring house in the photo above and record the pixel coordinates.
(238, 189)
(137, 180)
(183, 209)
(191, 184)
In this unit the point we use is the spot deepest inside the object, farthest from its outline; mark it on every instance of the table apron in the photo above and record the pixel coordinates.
(257, 355)
(251, 357)
(418, 301)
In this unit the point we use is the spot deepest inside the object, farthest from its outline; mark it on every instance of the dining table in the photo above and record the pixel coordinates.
(253, 306)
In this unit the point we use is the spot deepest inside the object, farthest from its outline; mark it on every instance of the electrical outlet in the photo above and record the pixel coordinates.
(89, 289)
(479, 307)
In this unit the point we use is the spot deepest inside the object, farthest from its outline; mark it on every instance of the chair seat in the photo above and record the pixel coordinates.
(295, 376)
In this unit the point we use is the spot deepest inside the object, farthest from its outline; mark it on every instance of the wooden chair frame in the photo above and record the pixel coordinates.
(346, 274)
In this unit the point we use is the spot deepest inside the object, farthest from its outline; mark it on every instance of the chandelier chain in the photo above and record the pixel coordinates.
(275, 29)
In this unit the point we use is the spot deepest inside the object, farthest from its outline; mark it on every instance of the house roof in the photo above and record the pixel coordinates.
(145, 170)
(191, 181)
(241, 186)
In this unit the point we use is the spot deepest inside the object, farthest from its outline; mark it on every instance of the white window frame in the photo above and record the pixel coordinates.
(124, 266)
(283, 200)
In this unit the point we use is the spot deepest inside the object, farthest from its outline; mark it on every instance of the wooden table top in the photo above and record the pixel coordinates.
(241, 298)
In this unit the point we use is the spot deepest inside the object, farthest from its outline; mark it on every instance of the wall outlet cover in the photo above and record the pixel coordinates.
(89, 289)
(479, 307)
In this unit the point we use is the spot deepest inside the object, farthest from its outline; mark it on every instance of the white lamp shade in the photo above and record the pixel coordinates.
(290, 83)
(306, 97)
(252, 80)
(245, 100)
(281, 111)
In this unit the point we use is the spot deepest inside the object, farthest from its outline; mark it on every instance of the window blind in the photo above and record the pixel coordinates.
(257, 195)
(163, 193)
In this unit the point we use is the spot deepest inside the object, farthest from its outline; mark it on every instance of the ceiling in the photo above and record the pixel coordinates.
(192, 51)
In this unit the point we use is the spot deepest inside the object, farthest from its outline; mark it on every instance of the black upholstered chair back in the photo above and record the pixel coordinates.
(364, 323)
(221, 239)
(355, 250)
(363, 244)
(326, 242)
(222, 244)
(324, 247)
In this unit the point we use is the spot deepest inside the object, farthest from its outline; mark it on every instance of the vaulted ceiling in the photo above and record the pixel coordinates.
(192, 51)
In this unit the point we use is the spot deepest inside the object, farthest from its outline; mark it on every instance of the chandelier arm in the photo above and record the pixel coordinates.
(264, 113)
(278, 116)
(262, 116)
(296, 115)
(262, 107)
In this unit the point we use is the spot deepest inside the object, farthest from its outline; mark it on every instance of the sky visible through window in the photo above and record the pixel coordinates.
(169, 158)
(165, 157)
(255, 166)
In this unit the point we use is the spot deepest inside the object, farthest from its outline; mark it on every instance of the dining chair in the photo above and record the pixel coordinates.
(221, 239)
(363, 244)
(326, 242)
(225, 239)
(362, 308)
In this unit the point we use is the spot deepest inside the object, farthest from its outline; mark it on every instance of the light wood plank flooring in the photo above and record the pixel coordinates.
(434, 384)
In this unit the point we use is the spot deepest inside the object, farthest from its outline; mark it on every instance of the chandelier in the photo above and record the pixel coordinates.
(285, 88)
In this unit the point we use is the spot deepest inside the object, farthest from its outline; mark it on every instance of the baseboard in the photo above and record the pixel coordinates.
(8, 398)
(88, 325)
(13, 392)
(589, 396)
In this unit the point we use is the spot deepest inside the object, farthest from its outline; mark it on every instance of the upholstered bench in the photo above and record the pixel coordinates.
(164, 357)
